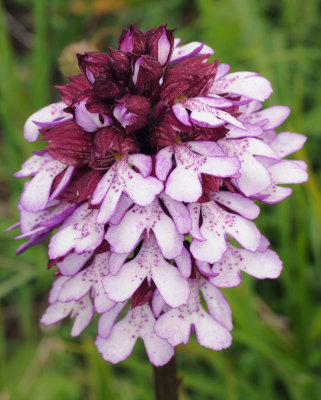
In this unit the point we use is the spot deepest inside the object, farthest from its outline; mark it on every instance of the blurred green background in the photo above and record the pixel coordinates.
(276, 353)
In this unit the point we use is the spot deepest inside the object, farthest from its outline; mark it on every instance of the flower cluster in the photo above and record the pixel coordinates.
(154, 159)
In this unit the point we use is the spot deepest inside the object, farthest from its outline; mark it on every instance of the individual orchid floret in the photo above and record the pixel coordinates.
(226, 273)
(90, 278)
(209, 240)
(121, 177)
(205, 111)
(257, 121)
(132, 41)
(192, 159)
(212, 328)
(189, 50)
(43, 168)
(254, 177)
(79, 231)
(139, 322)
(87, 120)
(40, 222)
(82, 310)
(50, 115)
(284, 172)
(125, 236)
(160, 42)
(132, 112)
(148, 264)
(247, 84)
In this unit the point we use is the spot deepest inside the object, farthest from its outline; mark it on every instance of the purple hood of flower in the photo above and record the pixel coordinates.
(154, 159)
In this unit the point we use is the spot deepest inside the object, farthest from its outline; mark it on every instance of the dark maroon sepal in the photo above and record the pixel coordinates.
(102, 248)
(120, 65)
(77, 85)
(140, 107)
(94, 104)
(167, 129)
(106, 88)
(68, 143)
(190, 77)
(143, 294)
(149, 74)
(93, 63)
(154, 45)
(81, 186)
(132, 40)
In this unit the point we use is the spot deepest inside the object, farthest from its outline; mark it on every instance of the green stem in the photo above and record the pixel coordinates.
(165, 381)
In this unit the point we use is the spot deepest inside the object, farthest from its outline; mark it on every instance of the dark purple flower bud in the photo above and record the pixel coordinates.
(106, 88)
(146, 76)
(69, 144)
(120, 65)
(160, 44)
(188, 78)
(132, 112)
(106, 143)
(93, 64)
(132, 41)
(77, 85)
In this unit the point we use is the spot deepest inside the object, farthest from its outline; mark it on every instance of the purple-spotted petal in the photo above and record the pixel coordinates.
(260, 265)
(254, 177)
(82, 310)
(138, 322)
(80, 232)
(149, 263)
(248, 84)
(175, 325)
(87, 279)
(189, 167)
(124, 237)
(122, 178)
(216, 224)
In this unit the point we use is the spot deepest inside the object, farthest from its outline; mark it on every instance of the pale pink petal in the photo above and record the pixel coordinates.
(195, 209)
(158, 303)
(179, 213)
(108, 318)
(254, 176)
(51, 113)
(116, 261)
(184, 263)
(142, 162)
(73, 262)
(238, 203)
(246, 84)
(261, 265)
(176, 324)
(216, 303)
(36, 195)
(164, 162)
(88, 121)
(83, 312)
(189, 50)
(286, 143)
(149, 263)
(138, 322)
(217, 223)
(79, 232)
